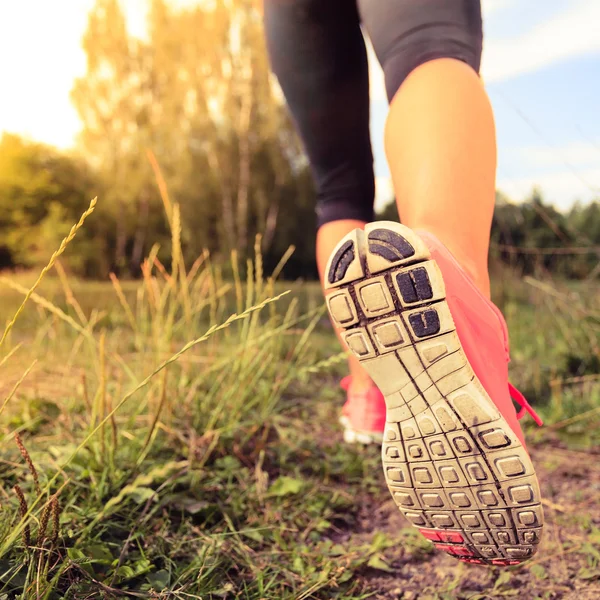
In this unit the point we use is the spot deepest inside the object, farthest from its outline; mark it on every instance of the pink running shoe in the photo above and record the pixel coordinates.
(453, 452)
(363, 415)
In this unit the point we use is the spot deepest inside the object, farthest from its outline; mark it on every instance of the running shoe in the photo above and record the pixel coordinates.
(363, 414)
(453, 453)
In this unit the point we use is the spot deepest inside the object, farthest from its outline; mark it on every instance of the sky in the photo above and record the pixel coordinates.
(541, 67)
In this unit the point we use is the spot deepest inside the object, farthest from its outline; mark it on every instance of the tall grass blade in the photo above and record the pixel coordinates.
(63, 245)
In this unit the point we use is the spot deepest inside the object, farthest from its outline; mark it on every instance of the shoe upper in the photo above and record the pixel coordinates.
(483, 334)
(365, 411)
(481, 329)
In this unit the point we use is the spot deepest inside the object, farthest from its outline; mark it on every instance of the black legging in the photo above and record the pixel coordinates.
(318, 53)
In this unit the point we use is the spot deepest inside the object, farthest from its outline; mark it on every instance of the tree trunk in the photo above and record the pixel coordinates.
(272, 213)
(245, 159)
(270, 226)
(140, 233)
(226, 201)
(243, 192)
(121, 237)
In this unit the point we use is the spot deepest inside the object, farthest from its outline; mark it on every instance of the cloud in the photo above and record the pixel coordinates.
(559, 187)
(576, 153)
(564, 174)
(384, 192)
(39, 65)
(568, 34)
(376, 79)
(491, 6)
(41, 62)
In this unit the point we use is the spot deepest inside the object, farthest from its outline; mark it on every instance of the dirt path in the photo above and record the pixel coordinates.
(566, 567)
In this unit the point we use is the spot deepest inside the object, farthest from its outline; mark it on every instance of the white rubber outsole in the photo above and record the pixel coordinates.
(452, 463)
(354, 436)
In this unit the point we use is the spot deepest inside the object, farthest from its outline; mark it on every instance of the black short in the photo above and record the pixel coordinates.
(318, 53)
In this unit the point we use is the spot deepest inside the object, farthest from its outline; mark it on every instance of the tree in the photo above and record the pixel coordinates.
(114, 102)
(42, 193)
(389, 212)
(198, 93)
(534, 235)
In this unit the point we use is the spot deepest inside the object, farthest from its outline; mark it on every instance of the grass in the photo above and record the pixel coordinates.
(176, 437)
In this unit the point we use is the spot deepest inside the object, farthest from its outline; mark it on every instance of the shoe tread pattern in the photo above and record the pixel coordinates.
(452, 463)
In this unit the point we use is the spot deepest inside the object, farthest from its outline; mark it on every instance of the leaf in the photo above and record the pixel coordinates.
(140, 567)
(588, 574)
(594, 537)
(76, 555)
(538, 571)
(141, 494)
(84, 562)
(378, 562)
(298, 565)
(285, 486)
(125, 572)
(159, 580)
(503, 578)
(345, 576)
(588, 548)
(253, 534)
(100, 553)
(323, 525)
(380, 541)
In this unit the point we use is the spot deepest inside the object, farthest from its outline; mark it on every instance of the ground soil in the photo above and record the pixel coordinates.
(570, 482)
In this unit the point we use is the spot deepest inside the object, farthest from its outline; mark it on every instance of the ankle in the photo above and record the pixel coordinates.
(472, 258)
(479, 274)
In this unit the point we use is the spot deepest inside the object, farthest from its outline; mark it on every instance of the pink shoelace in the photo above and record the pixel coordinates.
(516, 395)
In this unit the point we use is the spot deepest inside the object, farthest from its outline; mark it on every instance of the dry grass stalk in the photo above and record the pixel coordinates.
(29, 462)
(23, 509)
(44, 519)
(55, 511)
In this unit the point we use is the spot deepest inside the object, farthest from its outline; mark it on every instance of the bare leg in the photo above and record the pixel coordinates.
(441, 147)
(328, 237)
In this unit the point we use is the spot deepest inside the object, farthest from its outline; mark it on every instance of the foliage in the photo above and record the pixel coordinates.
(204, 392)
(42, 192)
(224, 474)
(174, 436)
(533, 237)
(204, 105)
(180, 442)
(205, 108)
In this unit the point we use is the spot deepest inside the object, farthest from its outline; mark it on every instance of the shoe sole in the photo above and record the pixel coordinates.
(451, 461)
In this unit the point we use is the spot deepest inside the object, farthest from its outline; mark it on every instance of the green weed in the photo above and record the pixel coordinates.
(175, 437)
